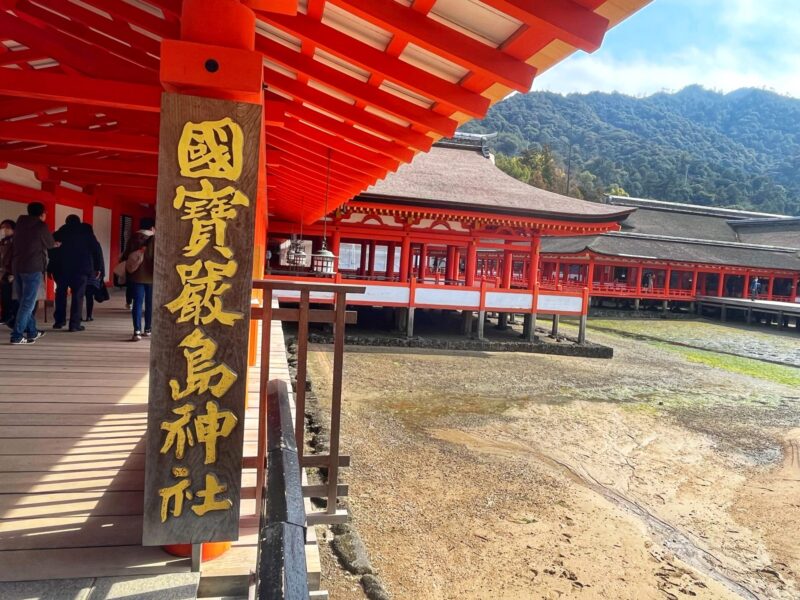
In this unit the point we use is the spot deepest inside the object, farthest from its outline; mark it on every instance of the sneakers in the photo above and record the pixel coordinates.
(58, 325)
(23, 341)
(39, 335)
(127, 307)
(147, 333)
(137, 336)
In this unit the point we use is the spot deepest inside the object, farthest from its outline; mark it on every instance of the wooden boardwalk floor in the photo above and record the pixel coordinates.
(73, 411)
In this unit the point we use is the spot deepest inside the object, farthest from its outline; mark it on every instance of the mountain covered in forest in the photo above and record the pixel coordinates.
(734, 150)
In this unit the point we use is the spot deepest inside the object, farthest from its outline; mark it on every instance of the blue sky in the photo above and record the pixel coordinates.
(669, 44)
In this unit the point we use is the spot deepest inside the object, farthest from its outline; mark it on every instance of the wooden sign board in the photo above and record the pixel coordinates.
(207, 187)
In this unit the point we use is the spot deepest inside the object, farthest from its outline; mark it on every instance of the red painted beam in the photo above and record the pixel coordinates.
(285, 136)
(98, 43)
(331, 125)
(328, 103)
(72, 52)
(351, 86)
(79, 90)
(133, 44)
(15, 57)
(444, 41)
(147, 167)
(319, 165)
(569, 20)
(377, 61)
(84, 178)
(127, 13)
(78, 139)
(337, 143)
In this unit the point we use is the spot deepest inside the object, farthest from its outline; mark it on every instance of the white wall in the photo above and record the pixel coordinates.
(102, 229)
(62, 212)
(11, 210)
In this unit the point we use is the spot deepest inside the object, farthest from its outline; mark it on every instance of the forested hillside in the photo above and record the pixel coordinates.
(736, 150)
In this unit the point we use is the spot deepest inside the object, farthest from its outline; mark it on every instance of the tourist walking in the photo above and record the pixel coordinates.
(755, 287)
(96, 284)
(32, 240)
(73, 263)
(7, 302)
(139, 257)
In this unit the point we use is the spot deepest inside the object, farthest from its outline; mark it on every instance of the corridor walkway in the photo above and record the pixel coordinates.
(73, 412)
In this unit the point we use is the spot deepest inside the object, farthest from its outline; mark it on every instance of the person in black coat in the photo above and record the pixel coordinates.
(71, 265)
(96, 284)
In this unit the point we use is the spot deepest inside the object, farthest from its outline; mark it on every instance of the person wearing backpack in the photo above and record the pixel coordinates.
(139, 257)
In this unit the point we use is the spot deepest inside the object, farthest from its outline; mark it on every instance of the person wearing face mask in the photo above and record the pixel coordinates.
(7, 302)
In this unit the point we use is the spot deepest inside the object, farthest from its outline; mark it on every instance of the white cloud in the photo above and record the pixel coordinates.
(749, 43)
(723, 68)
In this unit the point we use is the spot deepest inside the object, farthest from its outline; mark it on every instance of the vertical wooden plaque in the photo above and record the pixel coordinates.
(207, 188)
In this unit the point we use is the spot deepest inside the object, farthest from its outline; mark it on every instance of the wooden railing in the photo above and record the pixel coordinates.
(281, 572)
(303, 315)
(281, 566)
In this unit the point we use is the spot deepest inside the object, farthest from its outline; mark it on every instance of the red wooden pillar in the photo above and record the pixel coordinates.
(362, 269)
(508, 268)
(746, 289)
(793, 293)
(721, 284)
(770, 286)
(472, 263)
(667, 278)
(405, 259)
(372, 248)
(336, 246)
(695, 275)
(423, 262)
(390, 260)
(456, 263)
(558, 272)
(590, 275)
(451, 252)
(533, 272)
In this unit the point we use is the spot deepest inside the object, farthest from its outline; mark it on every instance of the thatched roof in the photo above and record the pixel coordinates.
(676, 250)
(462, 178)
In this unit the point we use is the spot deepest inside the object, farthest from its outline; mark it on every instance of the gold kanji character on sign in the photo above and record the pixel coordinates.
(211, 149)
(176, 493)
(200, 301)
(214, 424)
(178, 432)
(209, 496)
(209, 211)
(203, 374)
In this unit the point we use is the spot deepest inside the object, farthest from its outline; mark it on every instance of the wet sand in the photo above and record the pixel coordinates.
(667, 472)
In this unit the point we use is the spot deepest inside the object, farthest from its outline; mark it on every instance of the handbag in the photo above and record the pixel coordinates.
(134, 260)
(101, 294)
(120, 272)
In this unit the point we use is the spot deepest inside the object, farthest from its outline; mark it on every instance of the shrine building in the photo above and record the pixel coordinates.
(228, 119)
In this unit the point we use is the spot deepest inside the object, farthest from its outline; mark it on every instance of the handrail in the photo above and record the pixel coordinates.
(281, 565)
(280, 456)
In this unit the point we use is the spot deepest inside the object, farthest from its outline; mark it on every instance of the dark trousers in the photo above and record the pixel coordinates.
(142, 303)
(89, 301)
(129, 294)
(77, 286)
(8, 306)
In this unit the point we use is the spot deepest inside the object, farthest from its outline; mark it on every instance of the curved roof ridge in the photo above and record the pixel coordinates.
(463, 178)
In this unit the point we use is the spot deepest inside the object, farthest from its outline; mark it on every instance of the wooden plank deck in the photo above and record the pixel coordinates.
(73, 410)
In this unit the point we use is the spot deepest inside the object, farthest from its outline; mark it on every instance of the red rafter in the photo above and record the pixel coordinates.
(375, 60)
(78, 139)
(444, 41)
(356, 88)
(347, 111)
